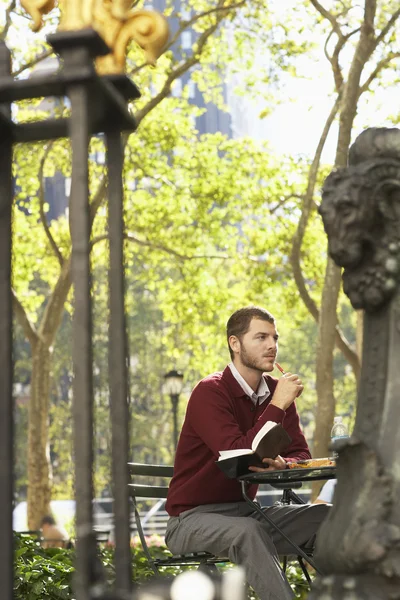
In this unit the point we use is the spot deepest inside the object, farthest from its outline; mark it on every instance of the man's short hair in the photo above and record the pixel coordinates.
(48, 520)
(239, 323)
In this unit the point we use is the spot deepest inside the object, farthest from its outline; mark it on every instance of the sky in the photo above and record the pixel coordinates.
(295, 126)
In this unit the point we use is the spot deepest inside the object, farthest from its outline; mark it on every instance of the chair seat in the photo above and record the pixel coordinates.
(191, 558)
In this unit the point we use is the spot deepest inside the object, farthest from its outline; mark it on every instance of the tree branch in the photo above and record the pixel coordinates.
(328, 39)
(334, 59)
(178, 71)
(28, 327)
(340, 340)
(98, 198)
(369, 14)
(283, 201)
(56, 305)
(348, 351)
(387, 27)
(382, 64)
(33, 62)
(305, 214)
(335, 64)
(131, 238)
(43, 218)
(186, 24)
(329, 16)
(7, 24)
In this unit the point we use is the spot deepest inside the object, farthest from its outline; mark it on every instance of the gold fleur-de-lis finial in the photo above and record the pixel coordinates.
(114, 20)
(36, 9)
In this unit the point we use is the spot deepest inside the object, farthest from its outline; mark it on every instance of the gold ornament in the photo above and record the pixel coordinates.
(36, 9)
(114, 21)
(118, 26)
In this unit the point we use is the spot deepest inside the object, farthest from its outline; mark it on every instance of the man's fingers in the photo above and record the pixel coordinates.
(271, 462)
(287, 375)
(259, 469)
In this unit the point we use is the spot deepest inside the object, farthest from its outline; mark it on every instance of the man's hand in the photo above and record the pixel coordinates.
(288, 388)
(273, 464)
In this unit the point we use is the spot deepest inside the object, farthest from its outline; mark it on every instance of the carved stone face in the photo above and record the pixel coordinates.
(345, 217)
(361, 213)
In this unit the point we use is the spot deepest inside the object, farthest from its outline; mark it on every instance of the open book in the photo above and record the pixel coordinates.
(270, 441)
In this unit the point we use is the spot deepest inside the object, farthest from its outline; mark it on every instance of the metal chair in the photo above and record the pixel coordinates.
(204, 560)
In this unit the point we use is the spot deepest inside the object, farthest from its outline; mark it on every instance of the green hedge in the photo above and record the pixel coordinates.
(46, 574)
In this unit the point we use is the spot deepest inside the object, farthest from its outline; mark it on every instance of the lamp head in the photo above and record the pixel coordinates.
(173, 382)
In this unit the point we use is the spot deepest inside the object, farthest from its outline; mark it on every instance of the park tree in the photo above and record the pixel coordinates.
(361, 50)
(177, 222)
(210, 222)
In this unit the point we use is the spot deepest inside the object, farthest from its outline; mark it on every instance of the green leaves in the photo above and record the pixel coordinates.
(209, 223)
(39, 573)
(47, 574)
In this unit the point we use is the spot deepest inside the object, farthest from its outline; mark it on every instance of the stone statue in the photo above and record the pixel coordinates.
(361, 212)
(359, 545)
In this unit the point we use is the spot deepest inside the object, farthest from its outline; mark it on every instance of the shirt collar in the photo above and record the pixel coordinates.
(262, 392)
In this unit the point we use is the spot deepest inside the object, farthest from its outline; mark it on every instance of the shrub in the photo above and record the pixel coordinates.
(46, 574)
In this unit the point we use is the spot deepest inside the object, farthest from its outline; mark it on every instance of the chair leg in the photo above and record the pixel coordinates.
(304, 569)
(144, 543)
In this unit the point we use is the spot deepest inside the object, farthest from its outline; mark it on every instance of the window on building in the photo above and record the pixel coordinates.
(186, 40)
(67, 183)
(185, 14)
(191, 88)
(177, 88)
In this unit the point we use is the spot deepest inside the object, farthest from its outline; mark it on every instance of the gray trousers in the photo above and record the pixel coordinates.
(237, 531)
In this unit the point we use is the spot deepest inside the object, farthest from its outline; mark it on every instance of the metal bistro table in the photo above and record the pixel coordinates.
(283, 480)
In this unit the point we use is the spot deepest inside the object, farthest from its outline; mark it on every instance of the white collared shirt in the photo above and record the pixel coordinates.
(262, 392)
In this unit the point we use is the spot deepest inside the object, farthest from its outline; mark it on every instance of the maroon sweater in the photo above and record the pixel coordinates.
(220, 416)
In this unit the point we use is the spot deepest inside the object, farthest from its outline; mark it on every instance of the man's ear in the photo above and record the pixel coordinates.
(234, 343)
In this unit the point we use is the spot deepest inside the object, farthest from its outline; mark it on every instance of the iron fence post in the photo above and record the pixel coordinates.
(6, 362)
(98, 104)
(117, 363)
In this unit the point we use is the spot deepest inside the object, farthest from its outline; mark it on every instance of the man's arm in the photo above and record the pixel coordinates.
(298, 449)
(212, 417)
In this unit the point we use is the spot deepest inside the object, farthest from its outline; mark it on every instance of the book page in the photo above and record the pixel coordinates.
(264, 430)
(223, 454)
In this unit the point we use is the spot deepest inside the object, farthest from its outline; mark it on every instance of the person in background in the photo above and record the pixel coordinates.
(326, 493)
(225, 411)
(53, 535)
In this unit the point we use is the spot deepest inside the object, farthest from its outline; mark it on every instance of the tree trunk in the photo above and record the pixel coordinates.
(39, 466)
(330, 294)
(324, 369)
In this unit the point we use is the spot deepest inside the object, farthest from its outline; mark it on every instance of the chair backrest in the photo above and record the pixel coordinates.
(144, 489)
(148, 490)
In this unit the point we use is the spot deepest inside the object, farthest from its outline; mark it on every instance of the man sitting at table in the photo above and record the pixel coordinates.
(225, 411)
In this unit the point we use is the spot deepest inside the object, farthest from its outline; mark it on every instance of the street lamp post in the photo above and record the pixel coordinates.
(173, 387)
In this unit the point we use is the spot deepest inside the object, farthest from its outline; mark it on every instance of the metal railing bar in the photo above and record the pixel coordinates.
(117, 364)
(6, 362)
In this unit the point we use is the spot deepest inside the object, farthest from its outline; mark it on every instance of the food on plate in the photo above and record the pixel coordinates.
(312, 463)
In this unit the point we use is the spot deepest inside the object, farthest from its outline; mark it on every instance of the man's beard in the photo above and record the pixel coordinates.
(250, 362)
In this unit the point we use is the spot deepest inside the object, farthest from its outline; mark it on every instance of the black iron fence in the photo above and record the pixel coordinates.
(98, 105)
